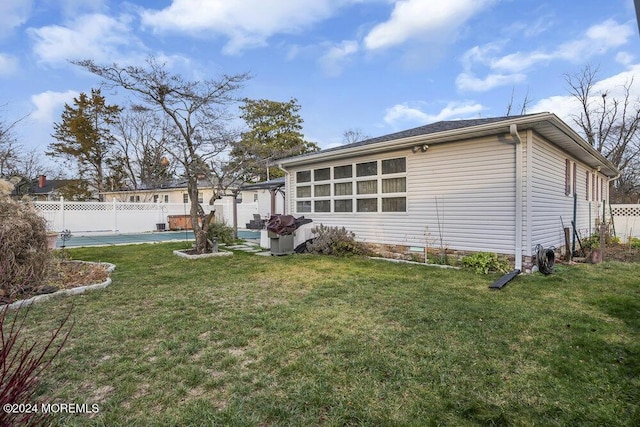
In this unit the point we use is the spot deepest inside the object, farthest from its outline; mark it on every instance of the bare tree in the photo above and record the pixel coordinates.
(9, 147)
(610, 124)
(197, 113)
(350, 136)
(523, 107)
(141, 139)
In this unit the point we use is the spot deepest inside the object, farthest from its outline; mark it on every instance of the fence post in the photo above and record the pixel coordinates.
(62, 227)
(115, 215)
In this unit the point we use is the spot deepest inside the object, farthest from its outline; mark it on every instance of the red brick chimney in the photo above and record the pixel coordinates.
(42, 181)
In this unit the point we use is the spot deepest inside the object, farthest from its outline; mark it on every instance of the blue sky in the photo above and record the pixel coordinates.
(378, 66)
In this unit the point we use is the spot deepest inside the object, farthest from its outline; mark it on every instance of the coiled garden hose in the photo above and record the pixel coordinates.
(546, 259)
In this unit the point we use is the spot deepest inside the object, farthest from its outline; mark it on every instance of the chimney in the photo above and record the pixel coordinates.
(42, 181)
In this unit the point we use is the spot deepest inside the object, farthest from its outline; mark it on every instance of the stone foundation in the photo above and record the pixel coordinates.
(453, 257)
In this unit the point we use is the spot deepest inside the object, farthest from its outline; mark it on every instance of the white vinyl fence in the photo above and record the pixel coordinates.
(109, 217)
(626, 220)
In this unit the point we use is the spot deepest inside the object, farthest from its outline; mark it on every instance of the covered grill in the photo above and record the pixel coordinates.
(281, 229)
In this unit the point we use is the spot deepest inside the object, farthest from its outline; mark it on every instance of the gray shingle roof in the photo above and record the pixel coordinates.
(436, 127)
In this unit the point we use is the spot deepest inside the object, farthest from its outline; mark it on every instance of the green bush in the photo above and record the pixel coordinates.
(634, 242)
(486, 262)
(220, 231)
(591, 242)
(335, 241)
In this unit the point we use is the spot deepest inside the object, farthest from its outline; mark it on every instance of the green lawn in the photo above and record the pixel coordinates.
(307, 340)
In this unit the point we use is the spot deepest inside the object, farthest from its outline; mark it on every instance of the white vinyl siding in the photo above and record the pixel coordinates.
(552, 207)
(472, 183)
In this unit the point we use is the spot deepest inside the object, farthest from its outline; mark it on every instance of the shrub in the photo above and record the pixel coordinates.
(24, 256)
(220, 231)
(634, 242)
(21, 365)
(335, 241)
(486, 262)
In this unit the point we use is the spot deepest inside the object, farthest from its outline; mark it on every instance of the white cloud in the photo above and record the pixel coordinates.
(13, 13)
(335, 59)
(467, 81)
(49, 103)
(624, 58)
(419, 19)
(403, 113)
(98, 37)
(247, 23)
(8, 65)
(508, 69)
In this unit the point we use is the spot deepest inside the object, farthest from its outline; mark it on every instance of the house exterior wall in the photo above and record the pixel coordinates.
(461, 193)
(174, 195)
(552, 204)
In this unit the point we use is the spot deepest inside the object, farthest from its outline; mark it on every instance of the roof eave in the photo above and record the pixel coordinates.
(502, 127)
(431, 138)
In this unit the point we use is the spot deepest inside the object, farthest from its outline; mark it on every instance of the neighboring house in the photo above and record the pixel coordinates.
(501, 185)
(42, 189)
(172, 192)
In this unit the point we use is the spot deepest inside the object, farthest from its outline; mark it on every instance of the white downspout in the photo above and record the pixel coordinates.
(286, 190)
(513, 130)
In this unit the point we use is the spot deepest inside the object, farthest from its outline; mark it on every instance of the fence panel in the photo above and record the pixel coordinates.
(626, 219)
(111, 217)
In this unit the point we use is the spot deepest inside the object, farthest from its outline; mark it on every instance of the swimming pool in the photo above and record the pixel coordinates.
(135, 238)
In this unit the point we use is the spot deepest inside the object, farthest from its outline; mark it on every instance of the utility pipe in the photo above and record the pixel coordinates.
(513, 130)
(286, 173)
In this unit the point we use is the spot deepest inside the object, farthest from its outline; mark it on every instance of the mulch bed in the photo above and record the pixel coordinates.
(66, 275)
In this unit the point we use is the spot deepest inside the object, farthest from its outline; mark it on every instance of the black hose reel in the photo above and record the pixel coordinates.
(545, 259)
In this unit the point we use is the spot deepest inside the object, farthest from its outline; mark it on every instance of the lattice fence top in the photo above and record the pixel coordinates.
(47, 206)
(626, 210)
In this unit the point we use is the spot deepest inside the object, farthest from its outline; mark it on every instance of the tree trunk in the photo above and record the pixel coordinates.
(194, 211)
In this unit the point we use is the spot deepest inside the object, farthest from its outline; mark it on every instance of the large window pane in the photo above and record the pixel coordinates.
(303, 206)
(343, 205)
(394, 165)
(367, 187)
(367, 205)
(366, 169)
(323, 190)
(394, 204)
(322, 206)
(322, 174)
(343, 189)
(394, 185)
(303, 191)
(340, 172)
(303, 176)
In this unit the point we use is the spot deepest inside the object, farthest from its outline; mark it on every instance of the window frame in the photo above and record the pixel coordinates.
(339, 180)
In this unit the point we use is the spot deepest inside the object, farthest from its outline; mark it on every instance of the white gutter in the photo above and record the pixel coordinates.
(513, 130)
